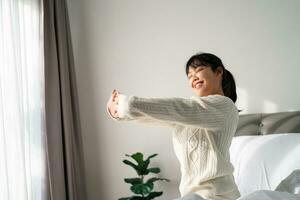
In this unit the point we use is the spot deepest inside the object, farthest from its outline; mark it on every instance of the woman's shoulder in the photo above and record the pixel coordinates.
(218, 100)
(213, 97)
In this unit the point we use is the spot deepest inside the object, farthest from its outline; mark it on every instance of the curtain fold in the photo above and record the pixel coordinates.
(63, 131)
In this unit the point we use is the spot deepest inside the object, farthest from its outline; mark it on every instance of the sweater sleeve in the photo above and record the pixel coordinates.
(206, 112)
(125, 116)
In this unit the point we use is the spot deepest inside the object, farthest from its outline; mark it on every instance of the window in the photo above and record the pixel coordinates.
(22, 155)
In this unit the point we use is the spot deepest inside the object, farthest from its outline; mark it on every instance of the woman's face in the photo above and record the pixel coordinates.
(204, 81)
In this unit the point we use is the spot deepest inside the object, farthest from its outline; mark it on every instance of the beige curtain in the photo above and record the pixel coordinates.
(64, 143)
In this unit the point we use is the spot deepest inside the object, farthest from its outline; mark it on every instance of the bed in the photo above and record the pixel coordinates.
(265, 153)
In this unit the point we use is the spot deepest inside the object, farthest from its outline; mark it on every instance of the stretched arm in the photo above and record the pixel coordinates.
(207, 112)
(117, 110)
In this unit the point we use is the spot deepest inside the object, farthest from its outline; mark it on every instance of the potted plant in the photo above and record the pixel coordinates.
(139, 186)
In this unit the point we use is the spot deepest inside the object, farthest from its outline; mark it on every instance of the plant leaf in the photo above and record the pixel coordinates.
(146, 164)
(137, 169)
(152, 195)
(132, 198)
(152, 156)
(144, 167)
(154, 170)
(144, 188)
(138, 157)
(133, 181)
(152, 180)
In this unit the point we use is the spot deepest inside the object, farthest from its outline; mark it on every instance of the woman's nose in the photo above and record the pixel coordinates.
(194, 78)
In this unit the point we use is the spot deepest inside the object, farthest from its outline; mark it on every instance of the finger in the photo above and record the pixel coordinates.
(113, 92)
(117, 98)
(114, 97)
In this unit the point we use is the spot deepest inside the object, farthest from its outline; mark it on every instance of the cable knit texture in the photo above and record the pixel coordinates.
(203, 128)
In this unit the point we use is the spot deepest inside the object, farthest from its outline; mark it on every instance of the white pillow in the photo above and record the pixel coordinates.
(262, 162)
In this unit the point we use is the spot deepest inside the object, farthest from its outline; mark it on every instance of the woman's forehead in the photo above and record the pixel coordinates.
(194, 68)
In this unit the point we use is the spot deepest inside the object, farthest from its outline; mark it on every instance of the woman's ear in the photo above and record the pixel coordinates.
(220, 71)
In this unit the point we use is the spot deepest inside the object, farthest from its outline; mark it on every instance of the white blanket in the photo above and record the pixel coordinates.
(257, 195)
(270, 195)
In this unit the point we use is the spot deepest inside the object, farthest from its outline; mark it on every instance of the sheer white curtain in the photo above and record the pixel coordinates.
(22, 156)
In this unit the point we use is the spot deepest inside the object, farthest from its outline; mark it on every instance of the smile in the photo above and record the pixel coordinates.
(198, 84)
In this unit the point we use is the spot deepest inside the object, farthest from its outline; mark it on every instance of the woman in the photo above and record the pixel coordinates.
(203, 127)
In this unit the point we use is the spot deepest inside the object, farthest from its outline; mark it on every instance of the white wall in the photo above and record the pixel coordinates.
(140, 47)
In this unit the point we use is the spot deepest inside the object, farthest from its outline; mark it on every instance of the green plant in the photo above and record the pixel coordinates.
(141, 188)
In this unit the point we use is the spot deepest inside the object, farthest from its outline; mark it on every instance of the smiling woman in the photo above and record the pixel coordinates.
(208, 71)
(203, 127)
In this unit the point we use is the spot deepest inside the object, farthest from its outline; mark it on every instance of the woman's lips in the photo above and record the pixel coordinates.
(198, 84)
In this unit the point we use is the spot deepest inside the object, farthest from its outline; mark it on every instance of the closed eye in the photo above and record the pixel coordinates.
(197, 70)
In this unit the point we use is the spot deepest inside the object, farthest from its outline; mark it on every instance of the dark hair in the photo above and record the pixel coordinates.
(211, 60)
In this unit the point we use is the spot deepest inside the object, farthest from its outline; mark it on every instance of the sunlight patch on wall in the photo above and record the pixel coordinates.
(242, 100)
(269, 107)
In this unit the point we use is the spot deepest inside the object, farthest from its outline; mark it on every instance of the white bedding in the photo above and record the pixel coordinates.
(257, 195)
(270, 195)
(264, 164)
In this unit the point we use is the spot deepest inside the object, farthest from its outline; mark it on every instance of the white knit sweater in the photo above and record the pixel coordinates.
(203, 128)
